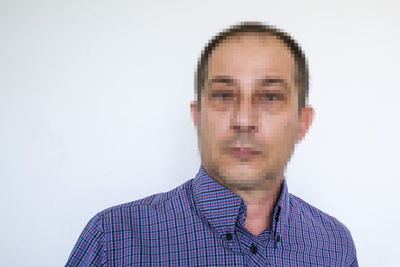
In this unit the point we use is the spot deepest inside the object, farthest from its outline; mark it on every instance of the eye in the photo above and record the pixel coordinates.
(222, 95)
(271, 101)
(271, 97)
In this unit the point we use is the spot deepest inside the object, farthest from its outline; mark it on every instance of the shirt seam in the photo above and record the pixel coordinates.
(105, 251)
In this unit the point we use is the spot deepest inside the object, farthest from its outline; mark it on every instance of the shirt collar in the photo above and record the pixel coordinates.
(216, 204)
(219, 206)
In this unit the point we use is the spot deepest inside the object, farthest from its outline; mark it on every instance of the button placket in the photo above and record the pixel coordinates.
(253, 249)
(277, 234)
(228, 236)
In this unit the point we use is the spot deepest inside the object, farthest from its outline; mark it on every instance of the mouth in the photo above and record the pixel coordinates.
(243, 153)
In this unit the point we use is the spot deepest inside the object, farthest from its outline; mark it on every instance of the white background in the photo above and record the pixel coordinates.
(94, 112)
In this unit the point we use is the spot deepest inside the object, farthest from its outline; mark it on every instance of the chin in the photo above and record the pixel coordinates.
(242, 176)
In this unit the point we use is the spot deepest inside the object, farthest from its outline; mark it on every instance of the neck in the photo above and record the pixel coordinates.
(260, 204)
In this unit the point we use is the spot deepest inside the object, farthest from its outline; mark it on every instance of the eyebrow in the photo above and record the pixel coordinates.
(223, 79)
(268, 80)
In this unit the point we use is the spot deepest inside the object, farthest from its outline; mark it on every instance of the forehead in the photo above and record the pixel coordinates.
(252, 55)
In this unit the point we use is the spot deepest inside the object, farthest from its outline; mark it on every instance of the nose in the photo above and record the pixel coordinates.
(244, 117)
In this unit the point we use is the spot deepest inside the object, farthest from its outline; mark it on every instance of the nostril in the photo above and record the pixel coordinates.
(244, 129)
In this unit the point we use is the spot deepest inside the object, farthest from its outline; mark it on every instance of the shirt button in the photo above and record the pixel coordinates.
(228, 236)
(253, 249)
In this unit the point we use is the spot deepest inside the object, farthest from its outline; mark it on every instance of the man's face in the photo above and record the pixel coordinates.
(248, 123)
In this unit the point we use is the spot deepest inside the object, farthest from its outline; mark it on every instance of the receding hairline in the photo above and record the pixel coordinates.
(263, 38)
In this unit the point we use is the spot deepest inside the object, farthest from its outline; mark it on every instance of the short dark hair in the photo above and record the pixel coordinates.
(258, 28)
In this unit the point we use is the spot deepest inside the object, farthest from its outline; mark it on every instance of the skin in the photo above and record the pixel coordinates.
(249, 122)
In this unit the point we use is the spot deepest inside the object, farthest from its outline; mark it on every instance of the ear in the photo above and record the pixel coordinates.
(305, 119)
(195, 112)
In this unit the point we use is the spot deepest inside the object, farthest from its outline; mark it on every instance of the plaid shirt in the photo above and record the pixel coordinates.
(201, 223)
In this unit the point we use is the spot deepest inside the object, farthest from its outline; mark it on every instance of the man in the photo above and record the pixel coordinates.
(251, 110)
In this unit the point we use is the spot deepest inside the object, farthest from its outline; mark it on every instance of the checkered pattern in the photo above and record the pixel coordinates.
(201, 223)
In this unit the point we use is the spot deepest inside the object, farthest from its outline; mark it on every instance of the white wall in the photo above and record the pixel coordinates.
(94, 111)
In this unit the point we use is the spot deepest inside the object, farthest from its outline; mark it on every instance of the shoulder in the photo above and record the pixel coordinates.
(148, 214)
(156, 203)
(306, 212)
(89, 249)
(121, 223)
(321, 226)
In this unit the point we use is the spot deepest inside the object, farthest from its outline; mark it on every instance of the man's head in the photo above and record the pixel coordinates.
(252, 85)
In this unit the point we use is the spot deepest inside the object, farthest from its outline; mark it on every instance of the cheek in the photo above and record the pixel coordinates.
(215, 126)
(279, 132)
